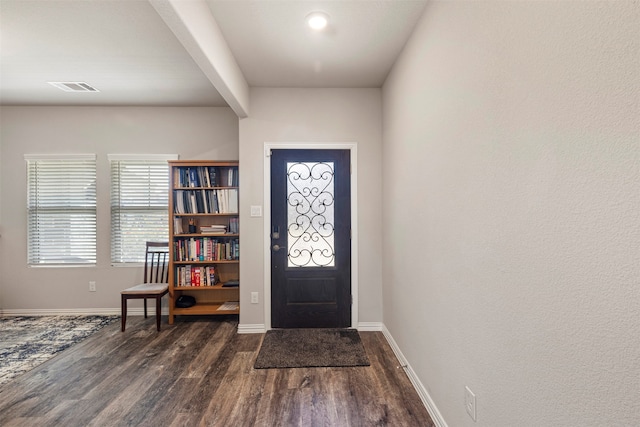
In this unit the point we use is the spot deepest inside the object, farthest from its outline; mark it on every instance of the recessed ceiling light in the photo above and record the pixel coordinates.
(317, 20)
(74, 86)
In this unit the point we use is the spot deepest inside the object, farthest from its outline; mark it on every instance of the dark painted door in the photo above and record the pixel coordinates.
(310, 239)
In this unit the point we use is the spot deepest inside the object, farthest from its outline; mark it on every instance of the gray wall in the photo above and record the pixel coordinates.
(313, 116)
(511, 256)
(193, 133)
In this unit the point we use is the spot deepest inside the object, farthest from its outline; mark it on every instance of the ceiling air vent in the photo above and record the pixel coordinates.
(74, 86)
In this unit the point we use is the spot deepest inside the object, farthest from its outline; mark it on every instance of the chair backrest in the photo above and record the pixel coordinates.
(156, 263)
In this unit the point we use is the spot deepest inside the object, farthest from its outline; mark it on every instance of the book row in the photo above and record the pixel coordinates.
(206, 201)
(218, 229)
(206, 176)
(206, 249)
(195, 276)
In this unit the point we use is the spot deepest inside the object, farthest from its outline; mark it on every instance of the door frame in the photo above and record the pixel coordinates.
(353, 148)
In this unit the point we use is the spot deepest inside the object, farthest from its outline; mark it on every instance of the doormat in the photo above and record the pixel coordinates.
(28, 341)
(311, 348)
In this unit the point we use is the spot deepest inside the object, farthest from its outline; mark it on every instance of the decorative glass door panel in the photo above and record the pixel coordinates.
(310, 214)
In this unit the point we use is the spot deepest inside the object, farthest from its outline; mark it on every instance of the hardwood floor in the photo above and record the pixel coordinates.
(199, 372)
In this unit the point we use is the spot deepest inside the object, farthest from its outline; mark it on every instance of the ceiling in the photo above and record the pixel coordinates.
(125, 49)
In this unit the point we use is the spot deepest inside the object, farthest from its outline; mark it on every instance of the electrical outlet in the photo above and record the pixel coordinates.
(470, 402)
(92, 286)
(254, 298)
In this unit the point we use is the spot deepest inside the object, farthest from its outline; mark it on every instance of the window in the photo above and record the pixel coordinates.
(139, 204)
(61, 209)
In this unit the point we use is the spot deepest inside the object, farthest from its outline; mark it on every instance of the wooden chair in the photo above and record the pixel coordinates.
(155, 285)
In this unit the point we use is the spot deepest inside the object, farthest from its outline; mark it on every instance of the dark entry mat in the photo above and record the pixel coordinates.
(310, 348)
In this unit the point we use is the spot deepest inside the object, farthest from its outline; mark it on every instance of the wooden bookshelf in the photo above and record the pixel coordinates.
(205, 237)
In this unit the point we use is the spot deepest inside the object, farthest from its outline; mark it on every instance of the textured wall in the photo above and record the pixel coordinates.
(193, 133)
(511, 138)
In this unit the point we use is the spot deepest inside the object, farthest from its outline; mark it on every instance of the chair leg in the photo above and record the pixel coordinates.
(158, 313)
(145, 308)
(124, 311)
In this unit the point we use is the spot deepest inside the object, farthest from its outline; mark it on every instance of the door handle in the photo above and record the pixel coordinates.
(276, 248)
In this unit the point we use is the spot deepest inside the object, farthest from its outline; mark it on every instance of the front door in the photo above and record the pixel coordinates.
(310, 239)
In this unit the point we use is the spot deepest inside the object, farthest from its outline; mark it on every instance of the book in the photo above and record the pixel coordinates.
(177, 225)
(234, 226)
(212, 176)
(214, 229)
(233, 200)
(193, 178)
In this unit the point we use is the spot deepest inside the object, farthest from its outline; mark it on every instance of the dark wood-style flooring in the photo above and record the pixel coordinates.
(199, 371)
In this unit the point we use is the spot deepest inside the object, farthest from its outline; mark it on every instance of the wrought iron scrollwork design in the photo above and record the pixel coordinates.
(310, 214)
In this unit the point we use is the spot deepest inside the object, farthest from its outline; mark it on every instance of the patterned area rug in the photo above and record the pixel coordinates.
(311, 348)
(26, 342)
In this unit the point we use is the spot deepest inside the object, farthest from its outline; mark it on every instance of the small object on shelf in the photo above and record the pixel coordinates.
(185, 301)
(214, 229)
(229, 305)
(231, 284)
(192, 225)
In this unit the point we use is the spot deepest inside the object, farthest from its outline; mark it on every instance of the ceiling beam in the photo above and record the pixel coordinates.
(197, 30)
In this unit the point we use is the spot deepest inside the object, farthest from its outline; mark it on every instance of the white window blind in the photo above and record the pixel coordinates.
(61, 209)
(139, 205)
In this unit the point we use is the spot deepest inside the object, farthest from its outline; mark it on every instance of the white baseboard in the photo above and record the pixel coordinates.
(258, 328)
(137, 311)
(417, 384)
(370, 326)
